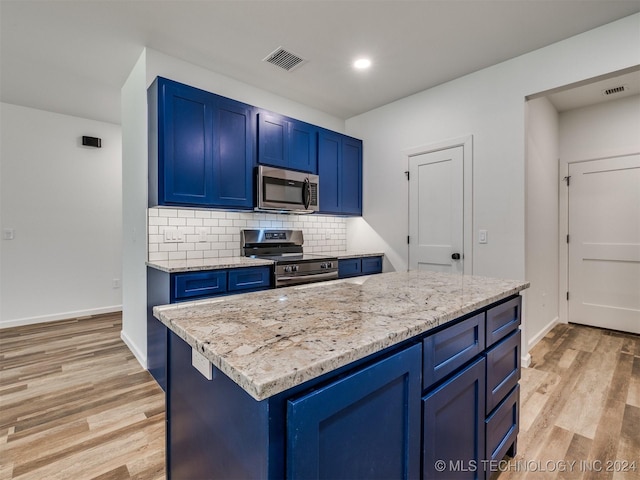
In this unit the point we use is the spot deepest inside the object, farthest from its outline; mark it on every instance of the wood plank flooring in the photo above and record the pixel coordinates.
(75, 404)
(579, 402)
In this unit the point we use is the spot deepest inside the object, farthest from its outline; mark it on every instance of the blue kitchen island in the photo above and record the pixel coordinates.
(396, 375)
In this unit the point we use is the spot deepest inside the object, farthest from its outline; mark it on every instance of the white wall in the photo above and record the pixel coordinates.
(134, 125)
(541, 214)
(598, 131)
(490, 105)
(64, 202)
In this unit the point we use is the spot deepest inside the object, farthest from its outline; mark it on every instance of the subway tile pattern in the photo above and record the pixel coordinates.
(184, 234)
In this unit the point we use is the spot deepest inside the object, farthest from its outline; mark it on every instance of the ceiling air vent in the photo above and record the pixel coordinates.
(284, 59)
(614, 90)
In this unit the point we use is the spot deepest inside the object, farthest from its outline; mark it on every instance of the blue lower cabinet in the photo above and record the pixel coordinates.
(502, 428)
(503, 369)
(350, 267)
(449, 349)
(214, 429)
(364, 426)
(371, 265)
(164, 288)
(454, 429)
(187, 286)
(243, 279)
(353, 267)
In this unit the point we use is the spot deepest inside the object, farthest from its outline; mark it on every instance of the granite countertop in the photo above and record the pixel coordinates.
(273, 340)
(350, 254)
(198, 264)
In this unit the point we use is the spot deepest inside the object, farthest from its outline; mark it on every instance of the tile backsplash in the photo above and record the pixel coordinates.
(181, 234)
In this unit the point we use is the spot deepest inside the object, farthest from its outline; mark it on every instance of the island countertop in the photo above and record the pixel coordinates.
(273, 340)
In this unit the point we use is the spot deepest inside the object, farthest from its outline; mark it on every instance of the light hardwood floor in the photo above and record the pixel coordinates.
(75, 404)
(580, 402)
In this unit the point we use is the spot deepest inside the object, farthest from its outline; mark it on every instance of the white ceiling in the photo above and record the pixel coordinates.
(72, 57)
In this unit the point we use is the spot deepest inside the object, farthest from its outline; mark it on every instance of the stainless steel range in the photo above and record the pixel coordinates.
(284, 247)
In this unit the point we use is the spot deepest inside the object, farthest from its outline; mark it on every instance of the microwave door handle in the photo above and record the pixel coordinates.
(306, 193)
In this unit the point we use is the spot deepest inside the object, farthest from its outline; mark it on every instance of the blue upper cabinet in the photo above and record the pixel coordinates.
(200, 148)
(340, 171)
(287, 143)
(233, 154)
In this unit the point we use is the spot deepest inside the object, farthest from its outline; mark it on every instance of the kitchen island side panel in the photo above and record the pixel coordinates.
(214, 428)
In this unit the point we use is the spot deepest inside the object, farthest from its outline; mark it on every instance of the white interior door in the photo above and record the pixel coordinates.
(436, 211)
(604, 243)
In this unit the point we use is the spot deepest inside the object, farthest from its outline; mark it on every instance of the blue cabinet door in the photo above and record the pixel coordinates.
(340, 171)
(351, 176)
(349, 267)
(303, 147)
(329, 157)
(366, 425)
(286, 143)
(185, 145)
(371, 265)
(272, 140)
(454, 427)
(233, 155)
(201, 148)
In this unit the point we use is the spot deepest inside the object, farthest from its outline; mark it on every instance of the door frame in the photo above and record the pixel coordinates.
(563, 223)
(466, 143)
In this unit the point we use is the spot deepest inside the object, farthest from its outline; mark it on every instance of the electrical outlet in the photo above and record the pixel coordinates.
(173, 236)
(483, 236)
(202, 235)
(201, 364)
(8, 234)
(115, 283)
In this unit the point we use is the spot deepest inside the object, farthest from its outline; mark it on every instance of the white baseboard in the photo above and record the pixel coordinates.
(540, 335)
(525, 361)
(142, 359)
(59, 316)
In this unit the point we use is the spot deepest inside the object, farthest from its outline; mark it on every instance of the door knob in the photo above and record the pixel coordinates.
(455, 256)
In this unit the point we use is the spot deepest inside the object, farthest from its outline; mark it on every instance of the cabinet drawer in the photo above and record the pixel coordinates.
(503, 319)
(503, 369)
(350, 267)
(191, 285)
(249, 278)
(502, 426)
(371, 265)
(445, 351)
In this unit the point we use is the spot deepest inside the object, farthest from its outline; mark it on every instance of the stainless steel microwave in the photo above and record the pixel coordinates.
(284, 190)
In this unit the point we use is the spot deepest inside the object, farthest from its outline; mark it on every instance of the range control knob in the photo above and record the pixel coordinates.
(287, 269)
(294, 268)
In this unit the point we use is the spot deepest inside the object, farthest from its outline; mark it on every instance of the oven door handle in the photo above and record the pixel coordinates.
(313, 275)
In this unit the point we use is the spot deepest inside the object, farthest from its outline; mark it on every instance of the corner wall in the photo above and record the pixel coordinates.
(541, 215)
(63, 200)
(490, 105)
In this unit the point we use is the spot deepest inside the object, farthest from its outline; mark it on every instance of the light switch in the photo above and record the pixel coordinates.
(483, 236)
(8, 234)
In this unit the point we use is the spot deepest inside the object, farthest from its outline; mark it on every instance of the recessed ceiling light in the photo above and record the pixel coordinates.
(362, 63)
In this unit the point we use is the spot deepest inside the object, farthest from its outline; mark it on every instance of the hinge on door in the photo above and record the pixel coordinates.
(407, 174)
(567, 238)
(408, 242)
(567, 295)
(567, 179)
